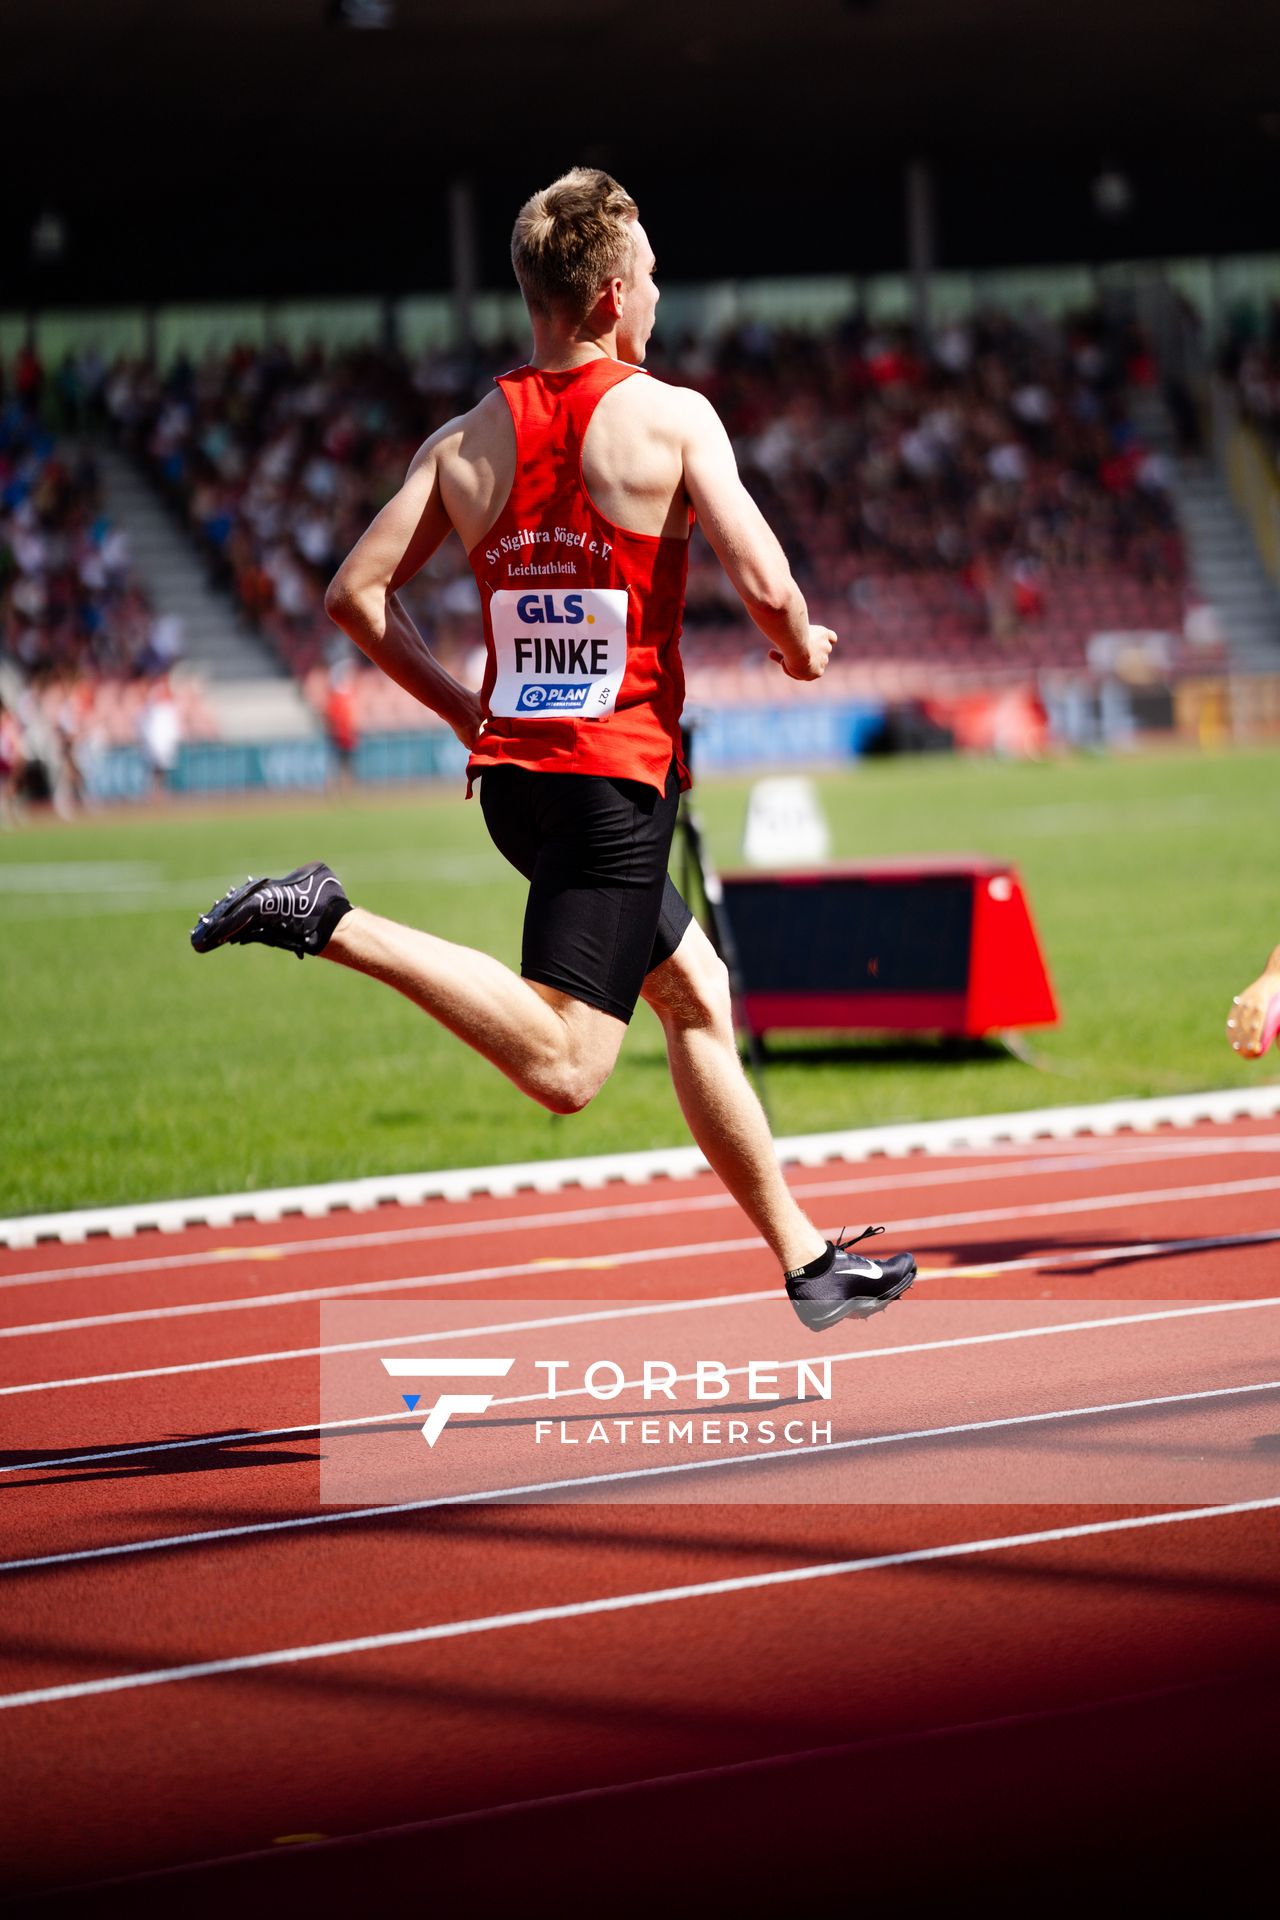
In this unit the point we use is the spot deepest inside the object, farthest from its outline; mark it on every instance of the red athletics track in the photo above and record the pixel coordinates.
(1009, 1698)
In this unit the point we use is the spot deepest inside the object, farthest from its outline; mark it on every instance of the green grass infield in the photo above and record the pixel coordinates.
(133, 1070)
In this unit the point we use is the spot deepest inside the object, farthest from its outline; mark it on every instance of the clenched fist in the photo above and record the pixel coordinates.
(812, 664)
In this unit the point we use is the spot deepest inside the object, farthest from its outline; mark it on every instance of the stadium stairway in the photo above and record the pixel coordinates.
(1221, 556)
(250, 695)
(1226, 567)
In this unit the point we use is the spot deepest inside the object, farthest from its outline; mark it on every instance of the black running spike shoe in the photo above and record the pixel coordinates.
(298, 913)
(850, 1283)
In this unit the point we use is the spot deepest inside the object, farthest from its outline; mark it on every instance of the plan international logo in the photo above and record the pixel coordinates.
(551, 697)
(758, 1382)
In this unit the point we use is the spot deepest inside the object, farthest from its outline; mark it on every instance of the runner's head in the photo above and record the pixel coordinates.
(578, 247)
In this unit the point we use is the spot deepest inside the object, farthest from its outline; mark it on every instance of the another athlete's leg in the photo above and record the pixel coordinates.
(558, 1050)
(690, 995)
(1254, 1020)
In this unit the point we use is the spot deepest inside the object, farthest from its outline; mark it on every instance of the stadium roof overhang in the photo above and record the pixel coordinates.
(236, 144)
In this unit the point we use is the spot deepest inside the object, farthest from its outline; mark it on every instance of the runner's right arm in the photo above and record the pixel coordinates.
(746, 546)
(362, 596)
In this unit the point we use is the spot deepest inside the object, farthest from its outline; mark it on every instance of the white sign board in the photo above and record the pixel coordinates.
(786, 826)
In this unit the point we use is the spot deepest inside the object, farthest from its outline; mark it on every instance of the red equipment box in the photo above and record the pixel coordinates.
(939, 943)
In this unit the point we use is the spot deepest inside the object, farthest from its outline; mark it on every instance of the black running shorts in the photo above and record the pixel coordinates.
(602, 910)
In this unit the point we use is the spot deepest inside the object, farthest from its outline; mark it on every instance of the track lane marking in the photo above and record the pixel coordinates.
(317, 1427)
(1062, 1162)
(1127, 1253)
(635, 1256)
(215, 1535)
(618, 1603)
(1148, 1251)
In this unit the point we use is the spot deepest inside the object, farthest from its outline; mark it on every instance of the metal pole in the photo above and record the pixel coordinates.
(696, 865)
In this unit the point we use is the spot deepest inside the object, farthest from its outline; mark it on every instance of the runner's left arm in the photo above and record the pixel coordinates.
(363, 595)
(745, 545)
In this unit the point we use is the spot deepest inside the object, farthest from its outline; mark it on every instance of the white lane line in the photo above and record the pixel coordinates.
(1062, 1162)
(983, 1132)
(213, 1535)
(1116, 1255)
(395, 1340)
(635, 1256)
(523, 1224)
(620, 1603)
(380, 1419)
(1123, 1254)
(753, 1298)
(884, 1353)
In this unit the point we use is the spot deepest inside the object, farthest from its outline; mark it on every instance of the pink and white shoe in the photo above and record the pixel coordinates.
(1254, 1020)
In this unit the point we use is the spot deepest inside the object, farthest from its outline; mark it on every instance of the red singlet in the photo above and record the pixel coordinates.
(581, 617)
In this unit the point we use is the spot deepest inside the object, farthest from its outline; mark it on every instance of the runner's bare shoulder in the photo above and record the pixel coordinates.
(484, 432)
(475, 459)
(664, 409)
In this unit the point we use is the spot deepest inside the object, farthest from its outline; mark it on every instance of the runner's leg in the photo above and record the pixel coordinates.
(556, 1049)
(690, 995)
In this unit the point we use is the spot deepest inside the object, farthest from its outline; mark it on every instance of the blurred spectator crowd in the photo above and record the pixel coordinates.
(84, 660)
(277, 462)
(984, 502)
(987, 498)
(68, 596)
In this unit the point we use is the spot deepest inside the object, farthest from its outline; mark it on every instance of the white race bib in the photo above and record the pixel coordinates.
(560, 655)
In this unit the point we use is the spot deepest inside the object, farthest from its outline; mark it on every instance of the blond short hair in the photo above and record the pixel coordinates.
(569, 238)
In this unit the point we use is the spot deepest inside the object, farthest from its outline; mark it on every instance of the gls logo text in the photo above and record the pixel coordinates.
(448, 1403)
(537, 609)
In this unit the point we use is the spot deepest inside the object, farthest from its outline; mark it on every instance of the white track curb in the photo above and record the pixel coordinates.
(549, 1176)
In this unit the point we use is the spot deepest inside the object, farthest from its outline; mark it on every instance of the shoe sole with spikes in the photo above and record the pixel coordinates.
(292, 913)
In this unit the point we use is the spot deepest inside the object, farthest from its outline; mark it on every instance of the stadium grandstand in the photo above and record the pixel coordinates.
(1037, 501)
(1008, 519)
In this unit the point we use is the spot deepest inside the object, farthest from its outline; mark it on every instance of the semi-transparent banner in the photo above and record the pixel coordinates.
(661, 1401)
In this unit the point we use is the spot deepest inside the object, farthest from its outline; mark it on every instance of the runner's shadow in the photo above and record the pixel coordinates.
(1108, 1254)
(561, 1524)
(216, 1452)
(562, 1699)
(828, 1051)
(211, 1453)
(897, 1052)
(237, 1451)
(1047, 1578)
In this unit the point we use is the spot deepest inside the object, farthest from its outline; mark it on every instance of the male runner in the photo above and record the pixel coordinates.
(573, 487)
